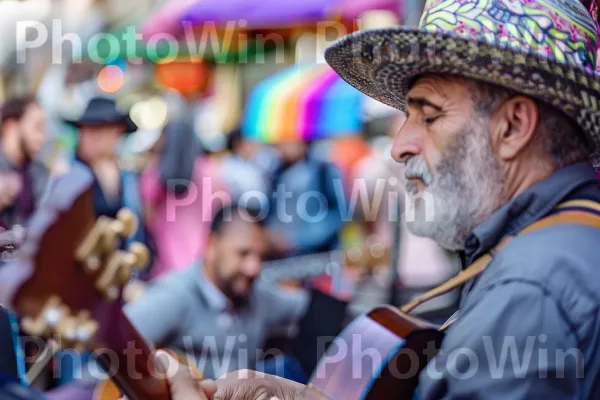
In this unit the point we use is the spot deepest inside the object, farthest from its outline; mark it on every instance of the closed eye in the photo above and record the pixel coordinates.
(430, 120)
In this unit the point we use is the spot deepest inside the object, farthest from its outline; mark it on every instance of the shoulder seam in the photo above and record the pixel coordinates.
(563, 313)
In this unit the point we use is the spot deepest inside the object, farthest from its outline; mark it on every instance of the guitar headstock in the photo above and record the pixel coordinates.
(69, 273)
(368, 258)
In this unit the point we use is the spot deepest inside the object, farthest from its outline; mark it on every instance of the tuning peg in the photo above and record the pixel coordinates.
(67, 331)
(77, 331)
(92, 263)
(138, 255)
(110, 280)
(51, 316)
(125, 224)
(87, 326)
(89, 251)
(354, 256)
(377, 250)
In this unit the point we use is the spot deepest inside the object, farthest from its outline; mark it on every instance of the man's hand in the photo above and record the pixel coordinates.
(182, 384)
(253, 385)
(238, 385)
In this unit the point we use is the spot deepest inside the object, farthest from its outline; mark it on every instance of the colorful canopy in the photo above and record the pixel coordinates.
(166, 20)
(258, 14)
(303, 102)
(276, 13)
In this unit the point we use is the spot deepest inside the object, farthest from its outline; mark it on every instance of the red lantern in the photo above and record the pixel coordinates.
(187, 77)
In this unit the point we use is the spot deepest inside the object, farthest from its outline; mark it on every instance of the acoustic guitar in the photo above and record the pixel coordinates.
(362, 261)
(66, 284)
(378, 356)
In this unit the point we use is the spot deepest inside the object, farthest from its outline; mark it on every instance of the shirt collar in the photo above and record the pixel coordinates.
(531, 205)
(214, 297)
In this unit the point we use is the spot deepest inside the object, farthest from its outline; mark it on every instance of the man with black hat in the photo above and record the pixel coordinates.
(100, 128)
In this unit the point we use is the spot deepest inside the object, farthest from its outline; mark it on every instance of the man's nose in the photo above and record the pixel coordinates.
(252, 266)
(407, 143)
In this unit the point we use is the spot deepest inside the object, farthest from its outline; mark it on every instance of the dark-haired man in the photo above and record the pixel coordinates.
(23, 180)
(216, 310)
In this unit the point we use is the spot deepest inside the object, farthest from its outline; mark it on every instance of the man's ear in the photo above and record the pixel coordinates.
(513, 126)
(9, 126)
(211, 247)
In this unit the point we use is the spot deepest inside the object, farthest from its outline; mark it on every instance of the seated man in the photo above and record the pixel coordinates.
(216, 311)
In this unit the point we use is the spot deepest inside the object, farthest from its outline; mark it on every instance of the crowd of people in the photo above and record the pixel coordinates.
(505, 145)
(202, 293)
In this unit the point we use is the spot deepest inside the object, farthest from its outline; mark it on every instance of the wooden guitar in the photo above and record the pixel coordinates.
(378, 356)
(381, 354)
(311, 265)
(335, 272)
(66, 284)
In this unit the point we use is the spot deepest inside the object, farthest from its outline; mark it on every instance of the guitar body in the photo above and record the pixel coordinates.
(379, 355)
(108, 390)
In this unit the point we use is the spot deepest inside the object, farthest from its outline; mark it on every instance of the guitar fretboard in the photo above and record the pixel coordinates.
(302, 267)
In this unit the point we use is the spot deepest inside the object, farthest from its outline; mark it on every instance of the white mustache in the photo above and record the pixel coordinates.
(416, 168)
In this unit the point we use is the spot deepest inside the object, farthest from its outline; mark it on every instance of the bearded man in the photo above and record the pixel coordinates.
(502, 130)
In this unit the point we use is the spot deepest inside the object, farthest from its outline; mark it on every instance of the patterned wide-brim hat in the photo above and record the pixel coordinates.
(546, 49)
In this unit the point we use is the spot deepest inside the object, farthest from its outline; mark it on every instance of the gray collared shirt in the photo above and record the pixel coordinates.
(529, 326)
(186, 312)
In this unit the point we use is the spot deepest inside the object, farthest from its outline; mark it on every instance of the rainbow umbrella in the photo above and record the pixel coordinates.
(303, 102)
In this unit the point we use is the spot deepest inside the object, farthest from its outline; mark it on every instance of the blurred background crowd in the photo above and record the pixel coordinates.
(181, 107)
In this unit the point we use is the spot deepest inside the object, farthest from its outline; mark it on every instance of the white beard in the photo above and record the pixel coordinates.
(465, 189)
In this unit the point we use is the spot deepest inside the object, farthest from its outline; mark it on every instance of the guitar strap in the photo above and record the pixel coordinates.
(581, 212)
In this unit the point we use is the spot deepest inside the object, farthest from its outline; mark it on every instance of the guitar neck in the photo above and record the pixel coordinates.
(126, 357)
(302, 267)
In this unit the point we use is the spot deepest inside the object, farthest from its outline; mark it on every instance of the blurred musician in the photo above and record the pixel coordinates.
(23, 177)
(217, 310)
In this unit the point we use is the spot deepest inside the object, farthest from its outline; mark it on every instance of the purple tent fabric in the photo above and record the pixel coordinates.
(352, 9)
(167, 20)
(268, 13)
(257, 13)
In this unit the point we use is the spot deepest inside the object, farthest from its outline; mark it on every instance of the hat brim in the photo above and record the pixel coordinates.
(383, 64)
(130, 126)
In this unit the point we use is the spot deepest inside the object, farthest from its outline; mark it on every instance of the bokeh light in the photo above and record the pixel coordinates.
(110, 78)
(150, 114)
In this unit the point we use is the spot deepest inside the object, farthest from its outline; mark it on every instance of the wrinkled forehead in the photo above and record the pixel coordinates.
(443, 86)
(443, 91)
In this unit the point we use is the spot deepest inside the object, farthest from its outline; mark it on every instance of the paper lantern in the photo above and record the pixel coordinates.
(186, 77)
